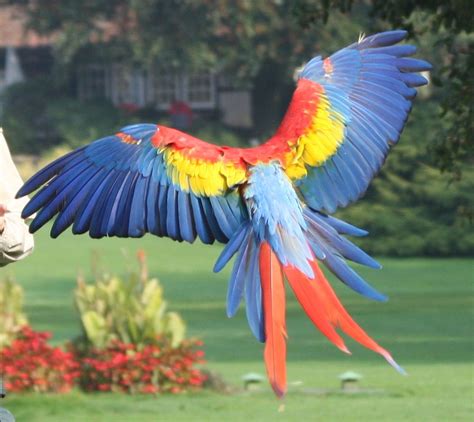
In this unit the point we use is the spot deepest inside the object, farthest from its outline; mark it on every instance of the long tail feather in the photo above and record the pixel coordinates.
(341, 318)
(310, 299)
(322, 306)
(273, 291)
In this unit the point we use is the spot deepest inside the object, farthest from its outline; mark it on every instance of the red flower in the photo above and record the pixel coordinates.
(30, 364)
(148, 369)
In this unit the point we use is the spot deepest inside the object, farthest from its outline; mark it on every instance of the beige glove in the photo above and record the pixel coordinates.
(3, 210)
(15, 240)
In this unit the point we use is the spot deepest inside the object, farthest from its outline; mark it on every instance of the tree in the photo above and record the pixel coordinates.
(260, 44)
(450, 27)
(245, 39)
(270, 38)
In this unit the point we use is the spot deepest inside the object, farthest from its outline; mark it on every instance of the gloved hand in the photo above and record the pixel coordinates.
(2, 218)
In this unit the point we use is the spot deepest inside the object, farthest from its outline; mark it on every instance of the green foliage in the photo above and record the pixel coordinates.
(131, 311)
(215, 133)
(38, 116)
(449, 27)
(78, 123)
(411, 209)
(12, 318)
(26, 122)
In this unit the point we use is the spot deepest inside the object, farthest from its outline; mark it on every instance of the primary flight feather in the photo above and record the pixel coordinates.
(269, 204)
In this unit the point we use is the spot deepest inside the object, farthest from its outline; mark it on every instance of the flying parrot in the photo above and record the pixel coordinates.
(269, 204)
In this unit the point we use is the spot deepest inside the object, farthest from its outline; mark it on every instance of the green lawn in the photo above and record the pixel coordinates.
(427, 324)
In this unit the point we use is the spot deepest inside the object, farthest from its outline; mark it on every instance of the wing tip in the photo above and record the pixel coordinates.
(378, 297)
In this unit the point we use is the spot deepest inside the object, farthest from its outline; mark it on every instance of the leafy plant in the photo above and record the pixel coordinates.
(12, 318)
(132, 311)
(130, 342)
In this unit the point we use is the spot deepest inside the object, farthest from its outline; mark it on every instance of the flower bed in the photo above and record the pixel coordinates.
(150, 369)
(30, 364)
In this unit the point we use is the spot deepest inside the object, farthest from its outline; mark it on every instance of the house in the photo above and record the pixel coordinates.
(205, 92)
(23, 53)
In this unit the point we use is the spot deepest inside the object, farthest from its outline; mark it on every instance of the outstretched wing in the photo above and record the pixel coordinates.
(345, 114)
(146, 178)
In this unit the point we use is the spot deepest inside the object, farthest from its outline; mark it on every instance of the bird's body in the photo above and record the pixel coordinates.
(268, 204)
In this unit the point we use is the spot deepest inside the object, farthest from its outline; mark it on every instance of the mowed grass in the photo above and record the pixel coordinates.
(427, 325)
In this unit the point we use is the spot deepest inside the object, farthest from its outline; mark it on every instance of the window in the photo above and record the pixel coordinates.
(200, 90)
(197, 89)
(165, 87)
(128, 85)
(93, 82)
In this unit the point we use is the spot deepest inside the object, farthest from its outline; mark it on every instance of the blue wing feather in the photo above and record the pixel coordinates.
(202, 227)
(185, 217)
(138, 208)
(132, 194)
(370, 84)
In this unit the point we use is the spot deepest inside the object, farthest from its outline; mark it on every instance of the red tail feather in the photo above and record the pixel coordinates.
(326, 311)
(273, 291)
(314, 304)
(341, 318)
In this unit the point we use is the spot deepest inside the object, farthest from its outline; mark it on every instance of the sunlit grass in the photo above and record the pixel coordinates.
(427, 324)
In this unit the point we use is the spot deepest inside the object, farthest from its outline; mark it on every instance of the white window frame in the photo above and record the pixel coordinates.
(155, 80)
(140, 86)
(196, 104)
(181, 90)
(133, 81)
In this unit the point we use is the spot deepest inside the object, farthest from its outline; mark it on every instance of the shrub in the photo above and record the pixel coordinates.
(12, 318)
(81, 122)
(216, 133)
(27, 125)
(130, 343)
(38, 115)
(149, 369)
(30, 364)
(130, 311)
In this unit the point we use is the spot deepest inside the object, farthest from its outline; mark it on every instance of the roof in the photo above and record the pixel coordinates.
(13, 32)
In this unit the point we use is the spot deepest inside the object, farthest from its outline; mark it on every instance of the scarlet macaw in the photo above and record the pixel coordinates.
(270, 204)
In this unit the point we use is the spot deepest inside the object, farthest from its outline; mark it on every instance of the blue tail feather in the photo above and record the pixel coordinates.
(233, 245)
(253, 296)
(324, 234)
(239, 276)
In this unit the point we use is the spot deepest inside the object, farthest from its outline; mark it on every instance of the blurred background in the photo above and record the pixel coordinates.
(71, 72)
